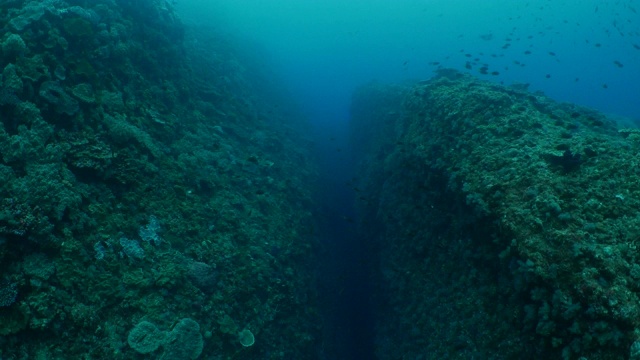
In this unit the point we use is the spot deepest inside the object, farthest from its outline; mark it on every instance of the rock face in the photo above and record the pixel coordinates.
(506, 224)
(132, 148)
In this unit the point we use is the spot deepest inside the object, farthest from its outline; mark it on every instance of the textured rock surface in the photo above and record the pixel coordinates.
(117, 122)
(507, 224)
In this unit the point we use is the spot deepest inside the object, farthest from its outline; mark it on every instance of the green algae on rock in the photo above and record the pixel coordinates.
(117, 179)
(507, 224)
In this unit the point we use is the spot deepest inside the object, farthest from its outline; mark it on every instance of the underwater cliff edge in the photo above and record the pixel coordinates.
(505, 224)
(154, 200)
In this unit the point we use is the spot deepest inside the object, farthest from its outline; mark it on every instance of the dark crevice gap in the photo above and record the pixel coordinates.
(344, 273)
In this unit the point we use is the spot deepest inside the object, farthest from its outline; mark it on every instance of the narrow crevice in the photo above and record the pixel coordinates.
(344, 273)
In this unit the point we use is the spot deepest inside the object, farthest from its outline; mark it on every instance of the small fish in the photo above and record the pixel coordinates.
(598, 45)
(552, 53)
(618, 63)
(636, 46)
(495, 73)
(527, 52)
(605, 86)
(548, 76)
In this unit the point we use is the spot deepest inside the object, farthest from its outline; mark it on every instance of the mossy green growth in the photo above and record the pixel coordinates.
(543, 193)
(13, 46)
(101, 131)
(246, 338)
(146, 338)
(77, 28)
(12, 321)
(83, 70)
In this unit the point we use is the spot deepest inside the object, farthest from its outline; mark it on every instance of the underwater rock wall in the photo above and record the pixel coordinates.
(505, 225)
(152, 200)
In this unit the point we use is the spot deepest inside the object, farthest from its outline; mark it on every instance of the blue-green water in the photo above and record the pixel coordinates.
(190, 179)
(583, 52)
(323, 49)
